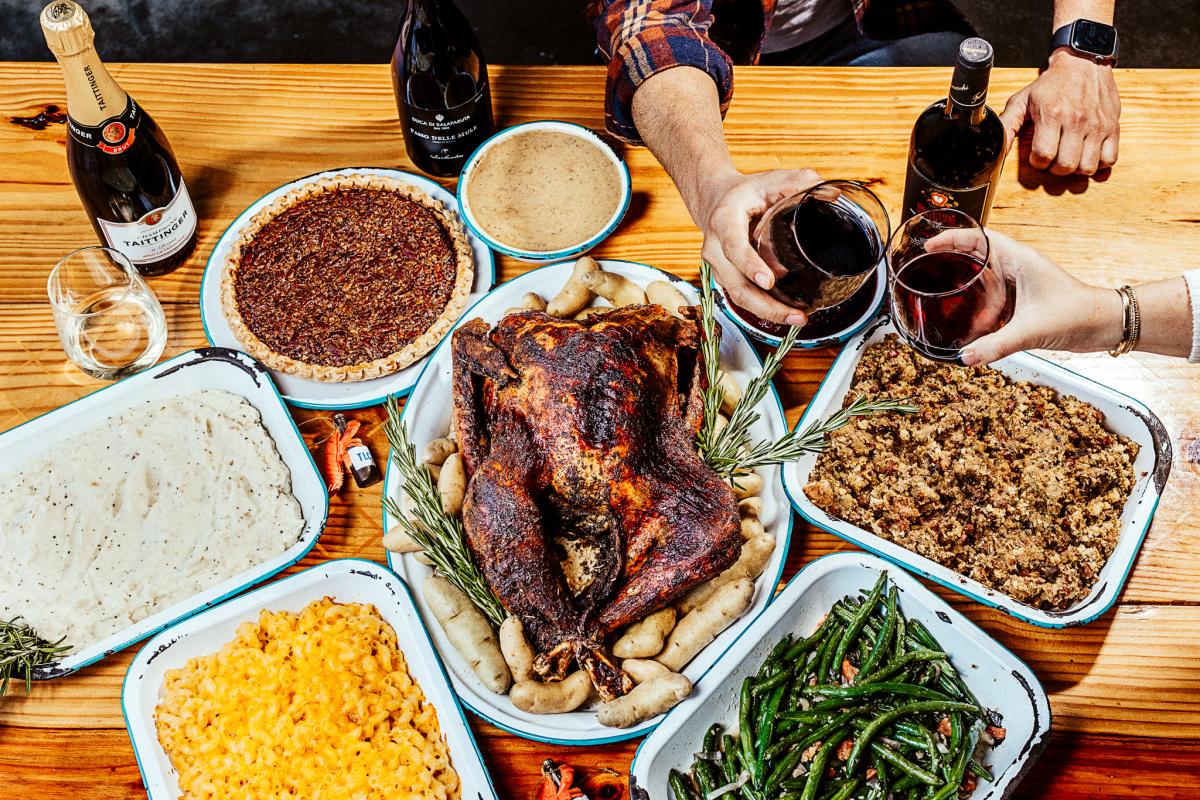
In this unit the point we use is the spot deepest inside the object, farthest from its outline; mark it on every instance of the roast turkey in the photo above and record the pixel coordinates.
(587, 430)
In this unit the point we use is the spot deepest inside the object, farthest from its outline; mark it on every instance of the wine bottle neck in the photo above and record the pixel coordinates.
(967, 100)
(92, 94)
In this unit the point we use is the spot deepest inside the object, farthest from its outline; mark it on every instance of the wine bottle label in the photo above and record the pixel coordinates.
(448, 135)
(922, 194)
(158, 234)
(114, 135)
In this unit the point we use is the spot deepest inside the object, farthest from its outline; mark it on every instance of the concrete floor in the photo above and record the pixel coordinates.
(1154, 33)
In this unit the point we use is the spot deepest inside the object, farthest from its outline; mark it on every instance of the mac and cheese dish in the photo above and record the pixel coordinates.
(304, 705)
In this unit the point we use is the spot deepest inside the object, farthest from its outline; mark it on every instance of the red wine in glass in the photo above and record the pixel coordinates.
(827, 241)
(946, 299)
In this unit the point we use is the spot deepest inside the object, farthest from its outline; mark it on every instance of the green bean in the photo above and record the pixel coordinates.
(904, 783)
(888, 717)
(766, 731)
(903, 661)
(745, 709)
(825, 653)
(859, 620)
(904, 765)
(804, 645)
(702, 771)
(848, 789)
(882, 778)
(816, 770)
(865, 689)
(883, 641)
(679, 786)
(774, 657)
(806, 717)
(960, 764)
(711, 736)
(783, 769)
(980, 770)
(780, 747)
(765, 685)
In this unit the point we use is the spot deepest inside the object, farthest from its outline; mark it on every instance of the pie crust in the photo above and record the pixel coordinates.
(363, 370)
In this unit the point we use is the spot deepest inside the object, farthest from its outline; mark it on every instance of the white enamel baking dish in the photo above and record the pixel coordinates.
(347, 580)
(206, 368)
(1123, 415)
(427, 416)
(1000, 680)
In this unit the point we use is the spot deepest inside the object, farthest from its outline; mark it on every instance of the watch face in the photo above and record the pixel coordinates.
(1094, 38)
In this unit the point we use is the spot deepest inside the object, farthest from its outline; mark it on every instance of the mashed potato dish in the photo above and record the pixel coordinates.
(159, 502)
(314, 704)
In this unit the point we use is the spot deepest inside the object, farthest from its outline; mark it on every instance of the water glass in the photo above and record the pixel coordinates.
(109, 322)
(945, 289)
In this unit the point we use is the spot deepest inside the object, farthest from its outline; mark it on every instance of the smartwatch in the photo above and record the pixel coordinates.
(1090, 39)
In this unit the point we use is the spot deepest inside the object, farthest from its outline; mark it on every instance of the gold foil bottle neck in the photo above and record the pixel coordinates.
(67, 28)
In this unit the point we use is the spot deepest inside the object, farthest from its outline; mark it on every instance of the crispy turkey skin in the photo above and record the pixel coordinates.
(588, 429)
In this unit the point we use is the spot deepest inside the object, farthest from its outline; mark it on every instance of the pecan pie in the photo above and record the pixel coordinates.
(348, 278)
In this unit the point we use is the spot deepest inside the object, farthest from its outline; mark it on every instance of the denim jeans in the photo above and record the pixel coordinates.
(845, 45)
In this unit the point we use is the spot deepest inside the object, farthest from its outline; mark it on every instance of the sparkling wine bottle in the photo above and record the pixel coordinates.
(441, 84)
(119, 159)
(957, 146)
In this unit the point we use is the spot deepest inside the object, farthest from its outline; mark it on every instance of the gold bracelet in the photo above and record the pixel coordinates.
(1131, 328)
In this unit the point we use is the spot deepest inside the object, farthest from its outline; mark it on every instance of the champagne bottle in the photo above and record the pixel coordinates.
(441, 85)
(957, 146)
(119, 159)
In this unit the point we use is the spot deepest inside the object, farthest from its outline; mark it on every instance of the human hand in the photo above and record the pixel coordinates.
(1053, 309)
(1076, 111)
(725, 214)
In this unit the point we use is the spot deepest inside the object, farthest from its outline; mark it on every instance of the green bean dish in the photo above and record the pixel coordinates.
(867, 707)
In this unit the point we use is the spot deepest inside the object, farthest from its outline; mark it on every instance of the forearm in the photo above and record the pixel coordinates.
(1166, 318)
(678, 115)
(1067, 11)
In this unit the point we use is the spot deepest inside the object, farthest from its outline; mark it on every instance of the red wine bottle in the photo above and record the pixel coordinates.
(119, 159)
(441, 85)
(957, 146)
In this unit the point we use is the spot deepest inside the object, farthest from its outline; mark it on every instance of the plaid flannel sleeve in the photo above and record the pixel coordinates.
(641, 38)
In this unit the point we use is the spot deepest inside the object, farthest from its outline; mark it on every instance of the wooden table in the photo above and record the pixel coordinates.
(1125, 689)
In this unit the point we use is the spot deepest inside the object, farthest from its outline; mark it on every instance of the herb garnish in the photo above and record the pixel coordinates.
(440, 535)
(729, 451)
(21, 649)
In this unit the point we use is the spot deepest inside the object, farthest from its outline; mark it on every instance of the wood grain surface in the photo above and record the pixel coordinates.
(1125, 690)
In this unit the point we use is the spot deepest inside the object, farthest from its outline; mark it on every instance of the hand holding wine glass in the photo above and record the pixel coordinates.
(1054, 310)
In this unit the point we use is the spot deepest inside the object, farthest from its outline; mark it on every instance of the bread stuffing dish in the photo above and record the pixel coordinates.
(1004, 481)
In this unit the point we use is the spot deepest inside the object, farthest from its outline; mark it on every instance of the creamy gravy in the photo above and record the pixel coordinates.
(544, 190)
(147, 508)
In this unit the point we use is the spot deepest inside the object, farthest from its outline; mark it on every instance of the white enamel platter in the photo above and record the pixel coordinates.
(1123, 415)
(207, 368)
(1000, 680)
(317, 394)
(427, 416)
(347, 580)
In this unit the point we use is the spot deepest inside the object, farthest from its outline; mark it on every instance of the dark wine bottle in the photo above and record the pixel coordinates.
(957, 146)
(119, 159)
(441, 84)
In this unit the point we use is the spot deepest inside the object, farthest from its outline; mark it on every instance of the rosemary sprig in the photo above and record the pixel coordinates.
(440, 535)
(812, 439)
(729, 451)
(21, 649)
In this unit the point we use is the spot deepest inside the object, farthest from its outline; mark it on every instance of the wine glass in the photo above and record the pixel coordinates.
(945, 290)
(109, 322)
(829, 239)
